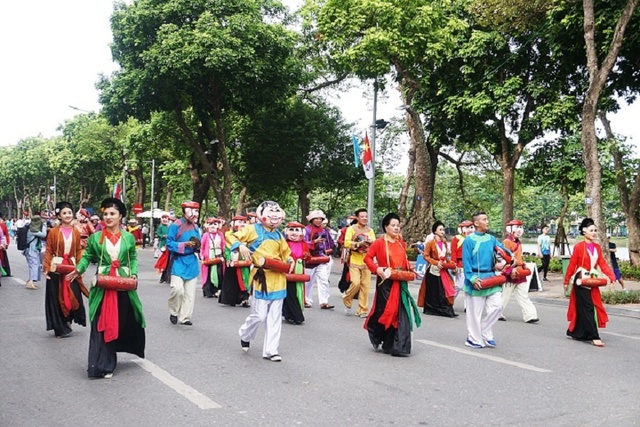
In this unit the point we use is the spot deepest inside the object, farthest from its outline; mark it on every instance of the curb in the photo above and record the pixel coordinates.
(611, 309)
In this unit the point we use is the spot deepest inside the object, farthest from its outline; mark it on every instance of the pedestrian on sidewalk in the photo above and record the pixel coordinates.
(145, 235)
(36, 234)
(544, 252)
(586, 312)
(614, 262)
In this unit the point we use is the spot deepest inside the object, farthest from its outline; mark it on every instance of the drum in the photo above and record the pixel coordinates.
(62, 269)
(591, 282)
(449, 265)
(241, 263)
(362, 242)
(522, 272)
(317, 260)
(116, 283)
(273, 264)
(297, 277)
(490, 282)
(211, 261)
(399, 275)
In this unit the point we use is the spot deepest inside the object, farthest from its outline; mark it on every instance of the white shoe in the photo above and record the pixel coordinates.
(108, 376)
(347, 311)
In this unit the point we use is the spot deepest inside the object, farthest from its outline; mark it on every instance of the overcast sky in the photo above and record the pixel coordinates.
(54, 51)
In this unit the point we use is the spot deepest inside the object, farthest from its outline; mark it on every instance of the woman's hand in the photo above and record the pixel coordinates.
(380, 271)
(72, 276)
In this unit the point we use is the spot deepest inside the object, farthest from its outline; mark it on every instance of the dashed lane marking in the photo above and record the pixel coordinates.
(619, 335)
(202, 401)
(478, 353)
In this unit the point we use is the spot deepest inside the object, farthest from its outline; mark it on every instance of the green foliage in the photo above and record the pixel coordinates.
(412, 254)
(621, 297)
(629, 271)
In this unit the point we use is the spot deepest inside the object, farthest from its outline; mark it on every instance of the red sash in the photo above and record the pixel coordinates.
(108, 322)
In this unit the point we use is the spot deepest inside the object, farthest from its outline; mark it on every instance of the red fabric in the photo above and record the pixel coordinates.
(456, 251)
(66, 287)
(390, 315)
(162, 261)
(241, 284)
(581, 259)
(109, 321)
(447, 284)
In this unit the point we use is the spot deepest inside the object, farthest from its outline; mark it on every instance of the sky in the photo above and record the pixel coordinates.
(54, 51)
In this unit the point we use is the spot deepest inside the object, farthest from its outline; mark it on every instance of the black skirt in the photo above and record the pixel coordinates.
(394, 341)
(291, 307)
(131, 339)
(209, 289)
(586, 328)
(436, 302)
(231, 294)
(56, 321)
(5, 262)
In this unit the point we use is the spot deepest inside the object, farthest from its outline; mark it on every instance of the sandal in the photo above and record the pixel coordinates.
(274, 358)
(598, 343)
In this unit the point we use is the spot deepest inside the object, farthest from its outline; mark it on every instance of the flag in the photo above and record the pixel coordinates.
(356, 150)
(367, 158)
(117, 191)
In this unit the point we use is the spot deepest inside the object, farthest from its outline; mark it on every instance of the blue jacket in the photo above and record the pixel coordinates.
(185, 262)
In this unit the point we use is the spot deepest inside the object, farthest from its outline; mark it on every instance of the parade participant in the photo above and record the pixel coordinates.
(544, 251)
(235, 282)
(95, 223)
(586, 312)
(464, 229)
(117, 321)
(483, 304)
(183, 241)
(84, 226)
(358, 238)
(160, 241)
(518, 286)
(63, 299)
(252, 218)
(4, 258)
(294, 302)
(394, 311)
(36, 233)
(264, 241)
(345, 279)
(134, 228)
(319, 242)
(3, 248)
(437, 290)
(213, 244)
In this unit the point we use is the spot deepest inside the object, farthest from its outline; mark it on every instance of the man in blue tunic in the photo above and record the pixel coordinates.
(183, 241)
(478, 261)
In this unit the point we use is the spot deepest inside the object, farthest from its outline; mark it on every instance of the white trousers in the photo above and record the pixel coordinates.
(482, 314)
(268, 312)
(321, 275)
(521, 292)
(182, 297)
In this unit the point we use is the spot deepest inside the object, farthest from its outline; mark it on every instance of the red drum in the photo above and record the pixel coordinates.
(116, 283)
(490, 282)
(298, 277)
(316, 260)
(328, 251)
(273, 264)
(400, 275)
(449, 265)
(591, 282)
(362, 242)
(211, 261)
(241, 263)
(504, 255)
(522, 272)
(62, 269)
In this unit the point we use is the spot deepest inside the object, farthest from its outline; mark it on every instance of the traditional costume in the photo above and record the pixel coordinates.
(320, 244)
(345, 279)
(294, 302)
(4, 258)
(437, 290)
(84, 226)
(117, 321)
(358, 239)
(134, 228)
(265, 242)
(464, 229)
(394, 311)
(483, 305)
(586, 312)
(183, 241)
(160, 251)
(517, 285)
(212, 250)
(63, 298)
(235, 283)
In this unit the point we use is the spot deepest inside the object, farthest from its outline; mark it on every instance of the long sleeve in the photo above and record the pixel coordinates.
(376, 251)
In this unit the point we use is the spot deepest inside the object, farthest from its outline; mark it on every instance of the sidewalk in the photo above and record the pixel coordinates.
(553, 293)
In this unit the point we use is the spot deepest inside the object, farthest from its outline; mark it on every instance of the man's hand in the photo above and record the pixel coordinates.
(245, 252)
(478, 284)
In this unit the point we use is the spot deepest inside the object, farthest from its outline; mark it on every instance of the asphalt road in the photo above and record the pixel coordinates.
(330, 375)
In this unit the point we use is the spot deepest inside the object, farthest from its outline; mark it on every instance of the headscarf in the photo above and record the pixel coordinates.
(36, 224)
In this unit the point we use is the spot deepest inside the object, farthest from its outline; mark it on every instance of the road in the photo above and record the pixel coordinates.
(330, 375)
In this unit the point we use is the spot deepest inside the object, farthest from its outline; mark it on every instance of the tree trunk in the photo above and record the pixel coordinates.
(598, 75)
(167, 199)
(304, 203)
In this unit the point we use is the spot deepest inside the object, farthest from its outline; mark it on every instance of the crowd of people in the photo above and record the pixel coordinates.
(253, 264)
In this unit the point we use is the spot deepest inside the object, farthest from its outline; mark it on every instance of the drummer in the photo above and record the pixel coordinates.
(358, 239)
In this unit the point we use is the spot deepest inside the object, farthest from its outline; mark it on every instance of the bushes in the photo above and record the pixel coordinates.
(620, 297)
(629, 271)
(554, 265)
(412, 254)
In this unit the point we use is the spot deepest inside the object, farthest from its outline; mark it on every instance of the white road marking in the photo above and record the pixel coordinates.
(620, 335)
(19, 281)
(190, 393)
(479, 353)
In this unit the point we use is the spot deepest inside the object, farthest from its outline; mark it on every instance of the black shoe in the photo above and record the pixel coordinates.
(502, 318)
(533, 320)
(187, 323)
(545, 280)
(244, 345)
(173, 319)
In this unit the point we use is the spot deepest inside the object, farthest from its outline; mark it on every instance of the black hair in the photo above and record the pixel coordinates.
(62, 205)
(112, 202)
(435, 226)
(387, 219)
(586, 223)
(477, 214)
(357, 212)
